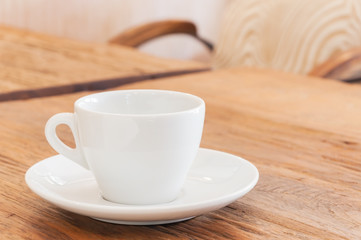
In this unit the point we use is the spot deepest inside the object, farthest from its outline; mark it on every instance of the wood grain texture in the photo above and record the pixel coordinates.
(87, 86)
(289, 35)
(32, 61)
(302, 133)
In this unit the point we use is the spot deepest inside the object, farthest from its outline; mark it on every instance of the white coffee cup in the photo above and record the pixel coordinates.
(139, 144)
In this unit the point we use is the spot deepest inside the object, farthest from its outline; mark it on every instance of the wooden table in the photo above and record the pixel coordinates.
(33, 65)
(302, 133)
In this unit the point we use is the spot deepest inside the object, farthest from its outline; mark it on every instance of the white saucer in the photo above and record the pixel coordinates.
(215, 180)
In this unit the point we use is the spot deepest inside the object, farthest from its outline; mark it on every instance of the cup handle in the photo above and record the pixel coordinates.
(73, 154)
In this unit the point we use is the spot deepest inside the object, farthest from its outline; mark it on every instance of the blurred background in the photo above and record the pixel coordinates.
(316, 37)
(98, 21)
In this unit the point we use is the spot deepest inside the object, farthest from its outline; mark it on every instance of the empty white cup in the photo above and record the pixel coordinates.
(139, 144)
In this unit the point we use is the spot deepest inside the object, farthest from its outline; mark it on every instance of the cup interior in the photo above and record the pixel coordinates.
(139, 102)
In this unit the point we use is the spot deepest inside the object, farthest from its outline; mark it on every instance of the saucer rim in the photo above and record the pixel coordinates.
(96, 210)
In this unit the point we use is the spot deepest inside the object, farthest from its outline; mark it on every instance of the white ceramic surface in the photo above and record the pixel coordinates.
(215, 180)
(139, 144)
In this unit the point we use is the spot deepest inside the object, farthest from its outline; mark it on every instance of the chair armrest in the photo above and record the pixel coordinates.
(345, 66)
(140, 34)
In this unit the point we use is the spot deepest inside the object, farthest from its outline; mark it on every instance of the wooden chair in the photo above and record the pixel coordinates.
(316, 37)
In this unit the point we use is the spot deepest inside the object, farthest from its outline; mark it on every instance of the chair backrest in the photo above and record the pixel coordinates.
(290, 35)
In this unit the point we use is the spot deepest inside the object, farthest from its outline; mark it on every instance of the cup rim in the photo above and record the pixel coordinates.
(200, 104)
